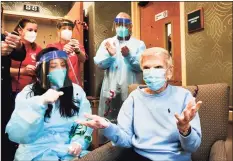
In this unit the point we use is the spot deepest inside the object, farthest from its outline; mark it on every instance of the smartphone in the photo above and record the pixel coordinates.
(72, 42)
(15, 33)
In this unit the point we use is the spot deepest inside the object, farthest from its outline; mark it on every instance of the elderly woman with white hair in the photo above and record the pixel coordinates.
(159, 121)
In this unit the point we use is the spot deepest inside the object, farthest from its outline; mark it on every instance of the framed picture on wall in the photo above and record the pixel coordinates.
(195, 20)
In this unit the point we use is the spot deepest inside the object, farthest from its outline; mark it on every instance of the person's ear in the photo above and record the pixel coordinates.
(170, 72)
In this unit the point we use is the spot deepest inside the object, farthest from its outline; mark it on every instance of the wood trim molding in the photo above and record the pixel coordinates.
(16, 14)
(230, 116)
(135, 17)
(76, 13)
(182, 44)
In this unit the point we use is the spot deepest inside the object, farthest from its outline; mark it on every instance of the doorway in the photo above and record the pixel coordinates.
(160, 27)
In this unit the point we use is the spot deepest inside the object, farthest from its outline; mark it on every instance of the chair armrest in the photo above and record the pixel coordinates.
(218, 151)
(107, 152)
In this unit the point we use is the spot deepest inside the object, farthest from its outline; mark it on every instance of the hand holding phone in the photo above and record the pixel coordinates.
(13, 40)
(75, 44)
(15, 33)
(5, 49)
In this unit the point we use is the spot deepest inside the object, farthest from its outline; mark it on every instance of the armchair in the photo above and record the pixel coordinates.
(214, 123)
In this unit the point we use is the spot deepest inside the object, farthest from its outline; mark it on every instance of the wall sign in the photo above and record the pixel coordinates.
(33, 8)
(161, 15)
(195, 20)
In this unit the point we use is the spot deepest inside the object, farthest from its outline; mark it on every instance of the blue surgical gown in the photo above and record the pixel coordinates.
(119, 73)
(48, 139)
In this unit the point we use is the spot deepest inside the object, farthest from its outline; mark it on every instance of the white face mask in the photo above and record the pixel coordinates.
(66, 34)
(30, 36)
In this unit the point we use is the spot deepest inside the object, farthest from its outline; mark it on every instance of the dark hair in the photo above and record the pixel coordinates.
(67, 107)
(21, 25)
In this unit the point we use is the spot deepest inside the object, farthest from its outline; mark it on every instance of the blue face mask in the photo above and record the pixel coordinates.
(57, 77)
(122, 31)
(154, 78)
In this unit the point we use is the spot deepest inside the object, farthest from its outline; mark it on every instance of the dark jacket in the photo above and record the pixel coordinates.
(18, 55)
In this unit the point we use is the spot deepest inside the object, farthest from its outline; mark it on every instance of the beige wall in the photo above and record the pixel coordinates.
(49, 8)
(46, 27)
(101, 16)
(209, 52)
(46, 31)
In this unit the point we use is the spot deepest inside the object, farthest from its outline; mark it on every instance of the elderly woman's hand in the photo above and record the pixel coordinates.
(187, 115)
(94, 122)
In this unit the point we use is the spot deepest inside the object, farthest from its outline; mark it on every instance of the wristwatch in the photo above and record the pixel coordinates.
(187, 132)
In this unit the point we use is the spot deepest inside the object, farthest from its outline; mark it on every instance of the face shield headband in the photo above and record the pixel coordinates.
(123, 21)
(122, 27)
(57, 77)
(65, 23)
(52, 55)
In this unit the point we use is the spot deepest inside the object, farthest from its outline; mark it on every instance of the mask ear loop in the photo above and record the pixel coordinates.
(124, 32)
(20, 27)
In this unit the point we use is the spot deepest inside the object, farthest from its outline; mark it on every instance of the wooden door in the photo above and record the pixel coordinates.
(154, 33)
(76, 14)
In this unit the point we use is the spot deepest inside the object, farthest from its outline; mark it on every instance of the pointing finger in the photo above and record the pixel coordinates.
(60, 93)
(198, 105)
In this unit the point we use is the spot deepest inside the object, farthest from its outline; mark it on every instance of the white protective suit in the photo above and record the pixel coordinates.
(47, 140)
(120, 72)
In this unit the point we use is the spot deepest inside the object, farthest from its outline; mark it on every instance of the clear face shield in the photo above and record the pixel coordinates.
(52, 70)
(122, 26)
(65, 29)
(65, 23)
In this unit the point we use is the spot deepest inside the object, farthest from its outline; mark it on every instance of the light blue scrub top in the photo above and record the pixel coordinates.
(46, 140)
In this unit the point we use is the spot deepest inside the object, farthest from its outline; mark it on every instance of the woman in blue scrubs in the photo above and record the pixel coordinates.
(45, 111)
